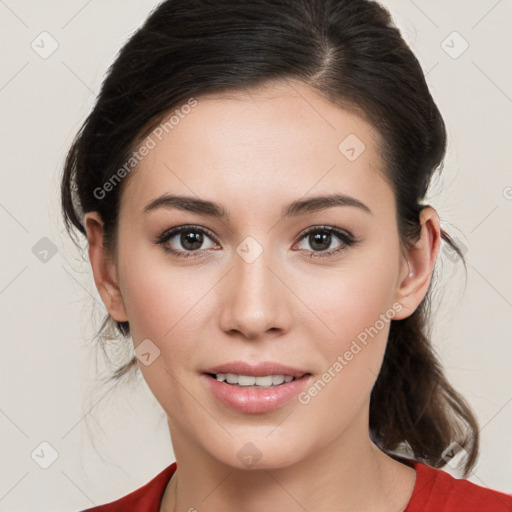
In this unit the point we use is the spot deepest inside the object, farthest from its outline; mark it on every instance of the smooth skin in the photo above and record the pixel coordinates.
(254, 153)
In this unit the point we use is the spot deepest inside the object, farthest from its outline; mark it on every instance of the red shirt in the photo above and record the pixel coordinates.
(434, 491)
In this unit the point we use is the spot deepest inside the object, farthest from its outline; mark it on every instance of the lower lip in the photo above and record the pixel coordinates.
(253, 400)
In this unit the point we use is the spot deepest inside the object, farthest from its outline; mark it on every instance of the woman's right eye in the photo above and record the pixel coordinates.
(191, 238)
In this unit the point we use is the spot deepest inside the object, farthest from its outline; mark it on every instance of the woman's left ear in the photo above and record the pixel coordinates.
(418, 265)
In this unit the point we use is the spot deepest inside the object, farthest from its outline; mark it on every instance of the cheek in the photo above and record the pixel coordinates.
(162, 301)
(353, 299)
(356, 307)
(163, 305)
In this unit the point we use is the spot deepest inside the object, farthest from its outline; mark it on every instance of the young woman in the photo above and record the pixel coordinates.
(251, 183)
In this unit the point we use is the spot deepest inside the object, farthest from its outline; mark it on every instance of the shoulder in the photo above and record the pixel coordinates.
(147, 497)
(436, 490)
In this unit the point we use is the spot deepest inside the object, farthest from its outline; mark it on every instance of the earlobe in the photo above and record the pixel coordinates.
(104, 268)
(419, 264)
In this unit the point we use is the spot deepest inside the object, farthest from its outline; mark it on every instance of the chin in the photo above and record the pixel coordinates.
(260, 453)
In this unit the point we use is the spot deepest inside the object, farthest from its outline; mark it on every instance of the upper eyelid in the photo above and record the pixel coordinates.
(171, 232)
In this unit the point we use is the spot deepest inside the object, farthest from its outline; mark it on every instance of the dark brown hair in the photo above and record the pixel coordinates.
(350, 52)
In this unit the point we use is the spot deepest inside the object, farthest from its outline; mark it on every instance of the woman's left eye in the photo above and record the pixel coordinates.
(322, 237)
(192, 238)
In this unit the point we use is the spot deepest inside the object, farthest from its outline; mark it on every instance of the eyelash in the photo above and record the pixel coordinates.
(347, 239)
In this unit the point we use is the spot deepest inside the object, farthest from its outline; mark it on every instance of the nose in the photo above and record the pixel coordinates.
(255, 298)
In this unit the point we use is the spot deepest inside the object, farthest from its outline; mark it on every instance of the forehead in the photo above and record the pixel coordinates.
(259, 147)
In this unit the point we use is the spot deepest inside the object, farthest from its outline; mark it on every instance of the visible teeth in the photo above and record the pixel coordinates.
(245, 380)
(278, 379)
(231, 378)
(254, 381)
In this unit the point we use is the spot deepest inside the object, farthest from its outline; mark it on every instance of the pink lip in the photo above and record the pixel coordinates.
(257, 370)
(252, 400)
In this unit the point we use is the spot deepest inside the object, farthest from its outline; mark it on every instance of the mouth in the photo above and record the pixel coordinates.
(260, 393)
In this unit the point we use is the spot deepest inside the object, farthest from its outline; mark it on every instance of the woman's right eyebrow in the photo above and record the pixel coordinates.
(295, 208)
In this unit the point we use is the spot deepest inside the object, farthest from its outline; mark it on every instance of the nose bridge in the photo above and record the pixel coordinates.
(254, 300)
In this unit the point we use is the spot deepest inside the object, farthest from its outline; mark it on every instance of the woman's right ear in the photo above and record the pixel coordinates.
(104, 268)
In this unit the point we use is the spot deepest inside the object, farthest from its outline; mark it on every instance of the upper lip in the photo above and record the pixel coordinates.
(256, 370)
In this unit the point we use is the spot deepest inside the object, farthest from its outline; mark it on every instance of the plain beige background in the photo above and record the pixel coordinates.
(106, 443)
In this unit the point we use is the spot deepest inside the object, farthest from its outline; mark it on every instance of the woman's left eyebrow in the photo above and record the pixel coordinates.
(295, 208)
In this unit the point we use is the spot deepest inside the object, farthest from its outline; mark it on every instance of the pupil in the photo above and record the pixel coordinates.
(320, 238)
(189, 239)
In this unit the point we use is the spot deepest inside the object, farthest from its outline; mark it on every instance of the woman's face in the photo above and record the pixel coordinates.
(254, 288)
